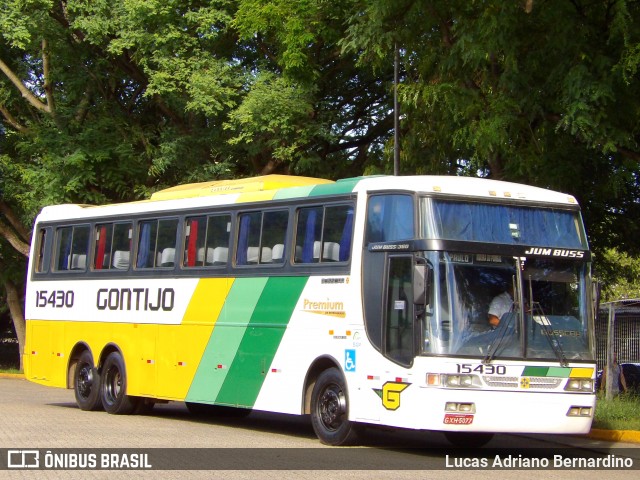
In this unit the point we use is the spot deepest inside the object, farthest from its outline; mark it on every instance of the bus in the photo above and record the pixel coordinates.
(454, 304)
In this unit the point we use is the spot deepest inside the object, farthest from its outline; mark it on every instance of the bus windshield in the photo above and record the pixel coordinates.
(540, 308)
(504, 224)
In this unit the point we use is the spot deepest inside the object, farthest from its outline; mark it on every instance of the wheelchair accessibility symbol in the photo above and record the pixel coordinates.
(349, 360)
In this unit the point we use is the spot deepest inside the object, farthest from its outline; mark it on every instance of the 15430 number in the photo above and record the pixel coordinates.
(55, 298)
(482, 369)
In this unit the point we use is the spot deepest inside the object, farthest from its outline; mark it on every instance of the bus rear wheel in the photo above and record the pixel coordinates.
(114, 387)
(86, 383)
(330, 410)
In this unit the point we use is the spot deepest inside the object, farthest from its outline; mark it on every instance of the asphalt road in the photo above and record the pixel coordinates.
(262, 445)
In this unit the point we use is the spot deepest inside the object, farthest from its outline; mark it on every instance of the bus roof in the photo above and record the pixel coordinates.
(465, 187)
(243, 185)
(276, 187)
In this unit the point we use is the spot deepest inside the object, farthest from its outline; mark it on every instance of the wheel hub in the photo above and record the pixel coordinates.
(85, 381)
(332, 407)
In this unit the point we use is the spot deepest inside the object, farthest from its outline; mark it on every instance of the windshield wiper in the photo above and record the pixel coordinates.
(538, 316)
(500, 334)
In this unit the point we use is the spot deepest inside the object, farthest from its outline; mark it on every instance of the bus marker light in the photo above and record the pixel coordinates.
(460, 407)
(373, 377)
(151, 362)
(60, 354)
(275, 370)
(182, 364)
(433, 379)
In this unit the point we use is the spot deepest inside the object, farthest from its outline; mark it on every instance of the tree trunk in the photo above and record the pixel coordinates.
(17, 315)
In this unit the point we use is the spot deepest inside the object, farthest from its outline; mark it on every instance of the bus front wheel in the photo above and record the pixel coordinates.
(86, 383)
(114, 387)
(330, 410)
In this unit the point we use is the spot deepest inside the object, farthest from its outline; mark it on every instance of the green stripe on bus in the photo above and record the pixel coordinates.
(261, 341)
(561, 372)
(225, 339)
(341, 186)
(535, 371)
(293, 192)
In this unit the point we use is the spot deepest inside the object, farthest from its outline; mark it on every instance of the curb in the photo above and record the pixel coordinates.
(629, 436)
(11, 375)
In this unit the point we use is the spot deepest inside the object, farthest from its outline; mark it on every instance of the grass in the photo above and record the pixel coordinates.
(9, 370)
(620, 413)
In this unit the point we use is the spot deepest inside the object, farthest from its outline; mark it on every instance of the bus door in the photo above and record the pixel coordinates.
(399, 313)
(389, 276)
(394, 303)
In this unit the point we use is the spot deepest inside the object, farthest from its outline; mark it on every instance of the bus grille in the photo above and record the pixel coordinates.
(544, 382)
(501, 382)
(514, 382)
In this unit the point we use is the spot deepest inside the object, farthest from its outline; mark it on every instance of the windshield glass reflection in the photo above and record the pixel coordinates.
(491, 306)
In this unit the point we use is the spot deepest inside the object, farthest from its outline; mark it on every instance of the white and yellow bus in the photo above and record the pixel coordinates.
(362, 301)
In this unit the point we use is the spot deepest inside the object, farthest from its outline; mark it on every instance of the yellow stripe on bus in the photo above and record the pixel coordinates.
(581, 373)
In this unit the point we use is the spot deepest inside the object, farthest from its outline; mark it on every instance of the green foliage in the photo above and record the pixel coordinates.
(619, 273)
(619, 413)
(272, 117)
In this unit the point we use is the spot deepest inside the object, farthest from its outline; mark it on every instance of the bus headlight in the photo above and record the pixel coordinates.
(460, 381)
(576, 411)
(579, 385)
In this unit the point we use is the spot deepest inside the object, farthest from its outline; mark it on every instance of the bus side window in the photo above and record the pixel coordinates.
(308, 234)
(218, 232)
(259, 234)
(112, 246)
(324, 234)
(157, 243)
(337, 234)
(102, 251)
(274, 230)
(207, 241)
(194, 241)
(72, 248)
(390, 218)
(41, 267)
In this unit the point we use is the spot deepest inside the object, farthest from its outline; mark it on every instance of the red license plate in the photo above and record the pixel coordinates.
(453, 419)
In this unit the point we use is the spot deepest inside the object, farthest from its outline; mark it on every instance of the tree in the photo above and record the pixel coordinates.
(542, 92)
(619, 275)
(104, 101)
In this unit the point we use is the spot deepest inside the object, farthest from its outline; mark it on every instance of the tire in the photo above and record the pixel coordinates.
(468, 439)
(330, 410)
(86, 383)
(114, 387)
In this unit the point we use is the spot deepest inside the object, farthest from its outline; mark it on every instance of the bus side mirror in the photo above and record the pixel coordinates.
(422, 275)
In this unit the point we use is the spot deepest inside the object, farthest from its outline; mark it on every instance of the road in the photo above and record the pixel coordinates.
(263, 445)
